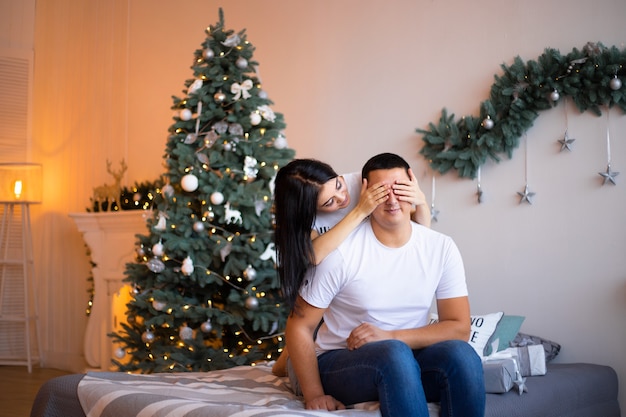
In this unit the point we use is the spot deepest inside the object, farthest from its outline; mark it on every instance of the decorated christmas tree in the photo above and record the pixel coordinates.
(205, 289)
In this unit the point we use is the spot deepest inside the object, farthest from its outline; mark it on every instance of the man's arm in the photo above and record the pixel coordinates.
(301, 326)
(454, 323)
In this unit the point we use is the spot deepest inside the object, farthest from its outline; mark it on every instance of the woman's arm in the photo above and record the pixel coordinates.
(369, 199)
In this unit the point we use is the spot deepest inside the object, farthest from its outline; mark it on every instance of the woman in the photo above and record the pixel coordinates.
(315, 211)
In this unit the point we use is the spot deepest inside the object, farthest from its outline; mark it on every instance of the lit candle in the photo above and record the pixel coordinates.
(17, 189)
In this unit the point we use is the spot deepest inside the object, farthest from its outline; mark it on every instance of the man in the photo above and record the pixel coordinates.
(374, 293)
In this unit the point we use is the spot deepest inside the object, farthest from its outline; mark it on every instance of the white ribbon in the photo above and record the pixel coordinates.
(241, 90)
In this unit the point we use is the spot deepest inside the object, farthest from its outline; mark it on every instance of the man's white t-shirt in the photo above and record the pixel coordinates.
(325, 221)
(363, 281)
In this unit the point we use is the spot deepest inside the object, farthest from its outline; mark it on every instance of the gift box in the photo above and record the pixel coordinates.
(531, 359)
(500, 375)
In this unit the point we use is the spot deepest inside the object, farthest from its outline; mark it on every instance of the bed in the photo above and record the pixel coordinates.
(566, 390)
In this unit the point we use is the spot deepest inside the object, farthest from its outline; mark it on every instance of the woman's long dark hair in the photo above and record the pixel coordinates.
(296, 191)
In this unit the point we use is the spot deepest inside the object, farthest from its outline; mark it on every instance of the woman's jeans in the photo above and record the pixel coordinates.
(404, 380)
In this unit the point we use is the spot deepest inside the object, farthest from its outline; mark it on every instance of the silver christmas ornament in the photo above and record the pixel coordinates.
(250, 273)
(615, 83)
(526, 195)
(488, 123)
(219, 97)
(554, 96)
(120, 353)
(206, 327)
(155, 265)
(252, 303)
(608, 176)
(159, 305)
(566, 142)
(185, 333)
(198, 227)
(241, 63)
(147, 337)
(208, 53)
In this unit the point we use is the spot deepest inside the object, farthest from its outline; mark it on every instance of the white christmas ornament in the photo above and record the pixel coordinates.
(270, 253)
(488, 123)
(280, 142)
(161, 224)
(241, 90)
(249, 167)
(187, 267)
(157, 249)
(255, 118)
(195, 86)
(186, 114)
(217, 198)
(189, 183)
(232, 215)
(267, 113)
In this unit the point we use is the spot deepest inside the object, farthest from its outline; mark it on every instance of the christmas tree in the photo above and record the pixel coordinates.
(205, 288)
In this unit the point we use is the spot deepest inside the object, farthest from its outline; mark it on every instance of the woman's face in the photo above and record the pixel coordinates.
(333, 195)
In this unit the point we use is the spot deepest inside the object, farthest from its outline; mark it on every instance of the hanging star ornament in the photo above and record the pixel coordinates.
(434, 213)
(527, 195)
(608, 176)
(479, 194)
(566, 142)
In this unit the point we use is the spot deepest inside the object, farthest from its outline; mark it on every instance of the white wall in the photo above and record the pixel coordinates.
(357, 77)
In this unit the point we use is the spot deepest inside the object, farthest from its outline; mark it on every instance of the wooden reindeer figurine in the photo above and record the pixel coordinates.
(110, 193)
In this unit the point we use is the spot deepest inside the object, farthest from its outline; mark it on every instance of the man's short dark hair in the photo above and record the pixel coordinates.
(384, 161)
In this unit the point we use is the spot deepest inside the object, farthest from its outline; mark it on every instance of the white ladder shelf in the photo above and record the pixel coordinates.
(19, 324)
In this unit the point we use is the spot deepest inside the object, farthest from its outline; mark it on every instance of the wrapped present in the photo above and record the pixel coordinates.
(500, 375)
(531, 359)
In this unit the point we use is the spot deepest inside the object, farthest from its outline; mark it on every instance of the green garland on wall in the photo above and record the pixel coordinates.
(591, 77)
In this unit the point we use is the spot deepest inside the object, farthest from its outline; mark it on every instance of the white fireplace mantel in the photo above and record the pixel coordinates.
(111, 239)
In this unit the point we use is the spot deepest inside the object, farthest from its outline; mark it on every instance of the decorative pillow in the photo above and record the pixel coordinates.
(506, 330)
(551, 348)
(482, 329)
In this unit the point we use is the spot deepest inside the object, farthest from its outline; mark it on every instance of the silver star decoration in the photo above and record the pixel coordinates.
(609, 175)
(434, 213)
(479, 194)
(566, 142)
(520, 384)
(526, 195)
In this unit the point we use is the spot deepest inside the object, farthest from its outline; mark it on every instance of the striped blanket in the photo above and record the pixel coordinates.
(243, 391)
